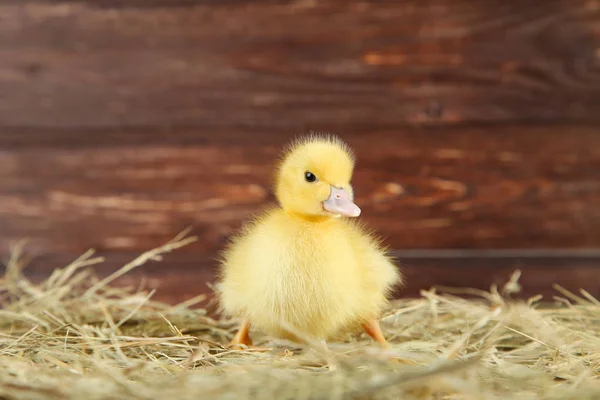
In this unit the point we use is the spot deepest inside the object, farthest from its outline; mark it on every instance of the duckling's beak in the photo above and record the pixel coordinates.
(339, 202)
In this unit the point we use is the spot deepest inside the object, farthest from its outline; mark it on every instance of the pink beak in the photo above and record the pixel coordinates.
(339, 203)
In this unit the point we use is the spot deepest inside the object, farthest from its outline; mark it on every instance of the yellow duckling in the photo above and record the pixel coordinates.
(303, 265)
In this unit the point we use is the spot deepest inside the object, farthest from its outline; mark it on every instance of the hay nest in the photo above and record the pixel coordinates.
(76, 337)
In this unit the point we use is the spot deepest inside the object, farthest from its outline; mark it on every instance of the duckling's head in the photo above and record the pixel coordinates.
(313, 178)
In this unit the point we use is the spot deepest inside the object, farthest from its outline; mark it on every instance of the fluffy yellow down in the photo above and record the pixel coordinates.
(300, 266)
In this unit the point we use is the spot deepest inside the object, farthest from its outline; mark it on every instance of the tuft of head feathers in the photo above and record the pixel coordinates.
(326, 156)
(318, 139)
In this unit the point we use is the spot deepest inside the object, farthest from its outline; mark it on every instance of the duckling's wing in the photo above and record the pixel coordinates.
(241, 266)
(376, 264)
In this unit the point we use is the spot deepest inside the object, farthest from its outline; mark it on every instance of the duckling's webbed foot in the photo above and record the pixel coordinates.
(242, 336)
(374, 330)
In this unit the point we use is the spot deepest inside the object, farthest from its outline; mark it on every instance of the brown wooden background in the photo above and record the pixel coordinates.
(476, 123)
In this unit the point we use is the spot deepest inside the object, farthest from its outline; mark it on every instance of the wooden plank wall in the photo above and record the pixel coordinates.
(476, 124)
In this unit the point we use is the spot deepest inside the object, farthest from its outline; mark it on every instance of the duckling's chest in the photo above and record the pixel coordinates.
(316, 250)
(311, 265)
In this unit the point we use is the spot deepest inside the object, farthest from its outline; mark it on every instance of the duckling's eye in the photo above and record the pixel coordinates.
(310, 177)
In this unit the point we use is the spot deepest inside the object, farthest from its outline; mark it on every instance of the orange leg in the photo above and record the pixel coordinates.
(374, 330)
(242, 336)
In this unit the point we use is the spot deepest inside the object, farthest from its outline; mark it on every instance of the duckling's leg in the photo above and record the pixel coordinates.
(242, 335)
(374, 330)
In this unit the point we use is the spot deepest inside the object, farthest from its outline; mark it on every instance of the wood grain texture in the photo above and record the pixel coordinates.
(473, 188)
(475, 123)
(181, 276)
(297, 65)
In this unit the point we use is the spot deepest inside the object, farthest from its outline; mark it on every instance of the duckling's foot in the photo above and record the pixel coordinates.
(255, 349)
(374, 330)
(242, 336)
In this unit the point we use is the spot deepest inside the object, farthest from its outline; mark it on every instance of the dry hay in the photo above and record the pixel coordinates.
(75, 337)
